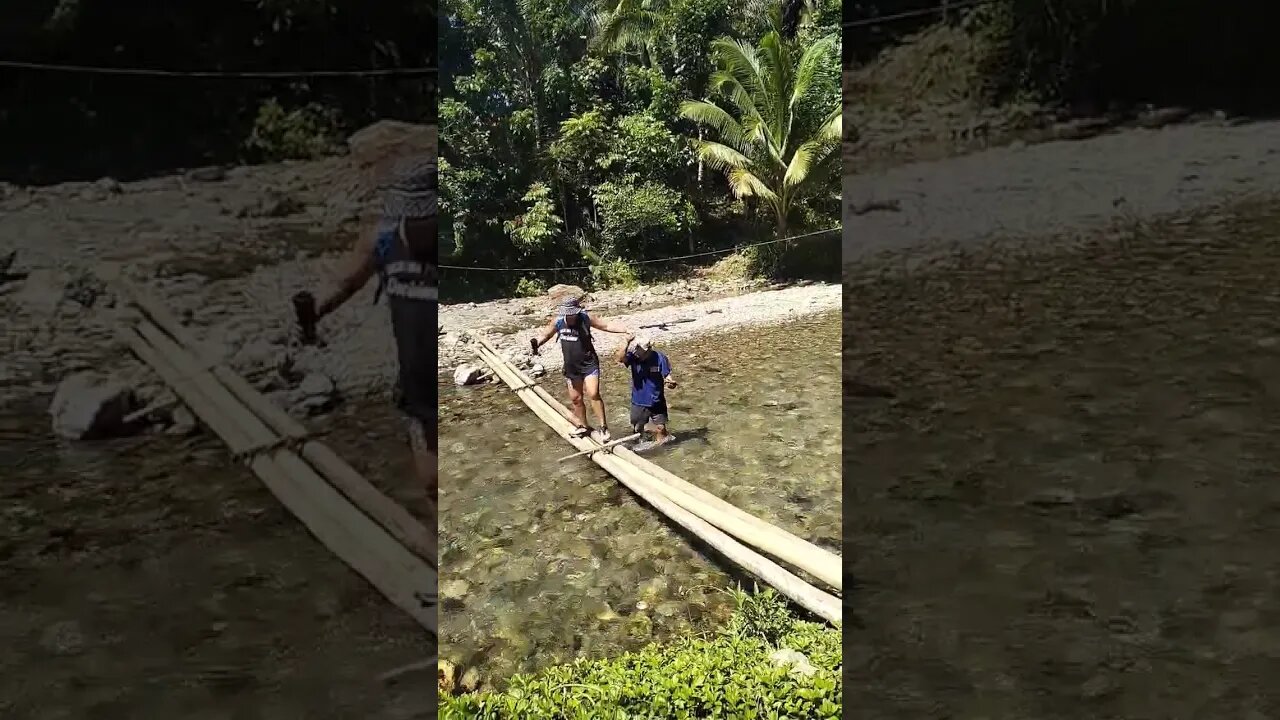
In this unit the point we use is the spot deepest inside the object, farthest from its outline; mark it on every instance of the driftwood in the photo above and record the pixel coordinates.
(669, 322)
(818, 562)
(373, 502)
(657, 494)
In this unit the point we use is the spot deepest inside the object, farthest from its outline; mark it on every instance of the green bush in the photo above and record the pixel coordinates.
(530, 287)
(304, 133)
(728, 676)
(613, 273)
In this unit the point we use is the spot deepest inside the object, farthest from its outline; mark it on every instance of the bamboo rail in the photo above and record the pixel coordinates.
(311, 493)
(818, 562)
(660, 495)
(389, 514)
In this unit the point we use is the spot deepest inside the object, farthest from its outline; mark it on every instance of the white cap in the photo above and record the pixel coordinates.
(642, 342)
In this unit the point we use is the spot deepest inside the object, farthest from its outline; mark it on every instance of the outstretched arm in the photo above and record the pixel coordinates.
(541, 339)
(357, 270)
(605, 325)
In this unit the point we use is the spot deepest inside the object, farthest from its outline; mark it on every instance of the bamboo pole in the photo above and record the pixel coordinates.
(605, 446)
(388, 513)
(818, 562)
(651, 491)
(362, 544)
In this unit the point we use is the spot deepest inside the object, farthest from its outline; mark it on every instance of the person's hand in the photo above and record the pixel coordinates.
(304, 309)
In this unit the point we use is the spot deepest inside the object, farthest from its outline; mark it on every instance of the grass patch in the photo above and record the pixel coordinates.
(750, 668)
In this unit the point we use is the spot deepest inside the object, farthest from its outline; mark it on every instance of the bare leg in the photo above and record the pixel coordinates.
(426, 464)
(576, 405)
(591, 385)
(660, 434)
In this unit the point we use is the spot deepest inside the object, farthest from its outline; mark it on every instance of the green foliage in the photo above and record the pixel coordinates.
(303, 133)
(75, 126)
(778, 128)
(642, 215)
(614, 274)
(728, 676)
(539, 226)
(584, 97)
(530, 287)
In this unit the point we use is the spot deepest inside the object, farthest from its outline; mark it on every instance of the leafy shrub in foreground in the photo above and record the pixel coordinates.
(728, 676)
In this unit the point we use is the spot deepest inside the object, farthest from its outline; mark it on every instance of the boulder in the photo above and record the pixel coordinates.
(86, 406)
(376, 147)
(315, 395)
(468, 374)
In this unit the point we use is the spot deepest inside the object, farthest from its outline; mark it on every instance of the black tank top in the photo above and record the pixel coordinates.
(575, 342)
(412, 291)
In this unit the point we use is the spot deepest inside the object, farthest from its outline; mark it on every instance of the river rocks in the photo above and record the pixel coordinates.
(467, 374)
(182, 422)
(86, 406)
(272, 204)
(206, 174)
(446, 677)
(471, 680)
(315, 395)
(63, 639)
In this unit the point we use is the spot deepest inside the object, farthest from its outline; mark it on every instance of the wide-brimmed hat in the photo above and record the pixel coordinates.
(569, 305)
(411, 191)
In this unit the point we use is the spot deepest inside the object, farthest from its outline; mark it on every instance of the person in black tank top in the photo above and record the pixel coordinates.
(402, 252)
(573, 326)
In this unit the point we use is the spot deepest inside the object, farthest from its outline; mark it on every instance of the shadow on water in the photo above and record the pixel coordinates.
(543, 562)
(1070, 508)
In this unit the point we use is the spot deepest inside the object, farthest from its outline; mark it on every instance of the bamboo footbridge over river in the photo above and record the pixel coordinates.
(367, 530)
(716, 522)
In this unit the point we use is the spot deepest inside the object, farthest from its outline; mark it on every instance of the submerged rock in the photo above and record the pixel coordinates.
(316, 394)
(87, 406)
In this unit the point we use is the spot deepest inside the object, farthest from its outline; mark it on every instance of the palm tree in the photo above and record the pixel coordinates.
(630, 25)
(780, 137)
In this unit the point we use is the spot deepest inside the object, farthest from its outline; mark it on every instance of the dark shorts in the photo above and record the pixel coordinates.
(582, 372)
(642, 415)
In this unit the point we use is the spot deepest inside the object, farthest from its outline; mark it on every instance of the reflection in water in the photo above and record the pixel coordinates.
(542, 561)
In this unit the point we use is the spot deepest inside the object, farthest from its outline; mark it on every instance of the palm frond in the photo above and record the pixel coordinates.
(713, 116)
(743, 183)
(720, 156)
(832, 128)
(811, 62)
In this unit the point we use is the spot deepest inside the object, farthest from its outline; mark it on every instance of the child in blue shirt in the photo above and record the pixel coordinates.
(650, 376)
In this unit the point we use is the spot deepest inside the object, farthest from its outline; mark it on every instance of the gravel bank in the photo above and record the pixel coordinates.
(1059, 187)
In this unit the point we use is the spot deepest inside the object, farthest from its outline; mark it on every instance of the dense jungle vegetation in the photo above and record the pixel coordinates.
(602, 132)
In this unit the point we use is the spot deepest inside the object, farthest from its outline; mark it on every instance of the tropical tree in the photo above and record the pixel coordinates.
(779, 137)
(630, 25)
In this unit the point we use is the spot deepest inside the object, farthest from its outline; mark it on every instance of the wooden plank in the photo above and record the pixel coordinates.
(651, 490)
(818, 562)
(388, 513)
(362, 544)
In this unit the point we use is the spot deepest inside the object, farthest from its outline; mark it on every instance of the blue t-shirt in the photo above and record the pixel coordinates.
(647, 386)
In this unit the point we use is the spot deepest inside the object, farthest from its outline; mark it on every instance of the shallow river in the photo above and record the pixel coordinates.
(544, 561)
